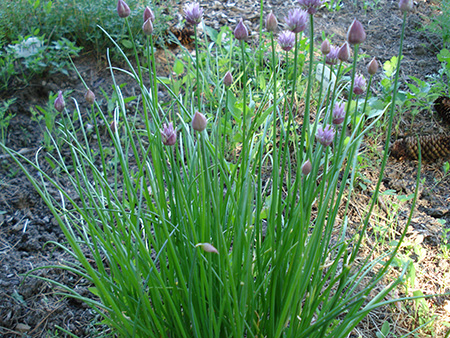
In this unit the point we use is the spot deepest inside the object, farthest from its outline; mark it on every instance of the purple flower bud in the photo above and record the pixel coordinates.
(286, 40)
(332, 57)
(405, 5)
(271, 22)
(338, 113)
(356, 33)
(199, 122)
(325, 135)
(360, 85)
(122, 9)
(168, 134)
(344, 52)
(193, 13)
(325, 48)
(306, 167)
(310, 5)
(372, 68)
(148, 14)
(147, 27)
(89, 96)
(241, 32)
(59, 102)
(228, 79)
(207, 247)
(296, 20)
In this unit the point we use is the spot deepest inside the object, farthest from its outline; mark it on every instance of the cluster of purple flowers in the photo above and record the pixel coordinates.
(296, 21)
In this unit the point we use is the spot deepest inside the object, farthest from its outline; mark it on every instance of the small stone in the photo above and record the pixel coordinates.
(22, 327)
(419, 50)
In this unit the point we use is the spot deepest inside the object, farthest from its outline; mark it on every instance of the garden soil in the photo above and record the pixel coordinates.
(34, 307)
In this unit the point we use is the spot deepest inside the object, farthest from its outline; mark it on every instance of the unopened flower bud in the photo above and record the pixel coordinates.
(271, 23)
(356, 33)
(241, 32)
(89, 96)
(344, 52)
(338, 113)
(325, 47)
(372, 68)
(113, 126)
(325, 135)
(228, 79)
(306, 167)
(147, 27)
(199, 122)
(122, 9)
(148, 14)
(286, 40)
(168, 134)
(59, 102)
(193, 13)
(405, 5)
(207, 247)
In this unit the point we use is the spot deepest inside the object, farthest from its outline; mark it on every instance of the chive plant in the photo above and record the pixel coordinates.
(184, 242)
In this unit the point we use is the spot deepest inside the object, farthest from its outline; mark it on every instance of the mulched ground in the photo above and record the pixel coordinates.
(31, 307)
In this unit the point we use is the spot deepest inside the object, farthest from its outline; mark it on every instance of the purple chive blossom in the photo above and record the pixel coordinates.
(344, 52)
(372, 68)
(147, 27)
(325, 135)
(168, 134)
(148, 14)
(193, 13)
(122, 9)
(332, 57)
(338, 113)
(286, 40)
(360, 85)
(310, 6)
(271, 23)
(325, 48)
(228, 79)
(296, 20)
(59, 102)
(356, 33)
(199, 122)
(405, 5)
(241, 32)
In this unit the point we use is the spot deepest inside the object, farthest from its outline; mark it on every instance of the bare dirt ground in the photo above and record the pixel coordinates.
(31, 307)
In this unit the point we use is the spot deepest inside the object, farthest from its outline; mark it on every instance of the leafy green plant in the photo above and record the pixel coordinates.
(49, 119)
(5, 118)
(184, 241)
(333, 5)
(445, 241)
(30, 56)
(444, 72)
(76, 21)
(385, 330)
(440, 23)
